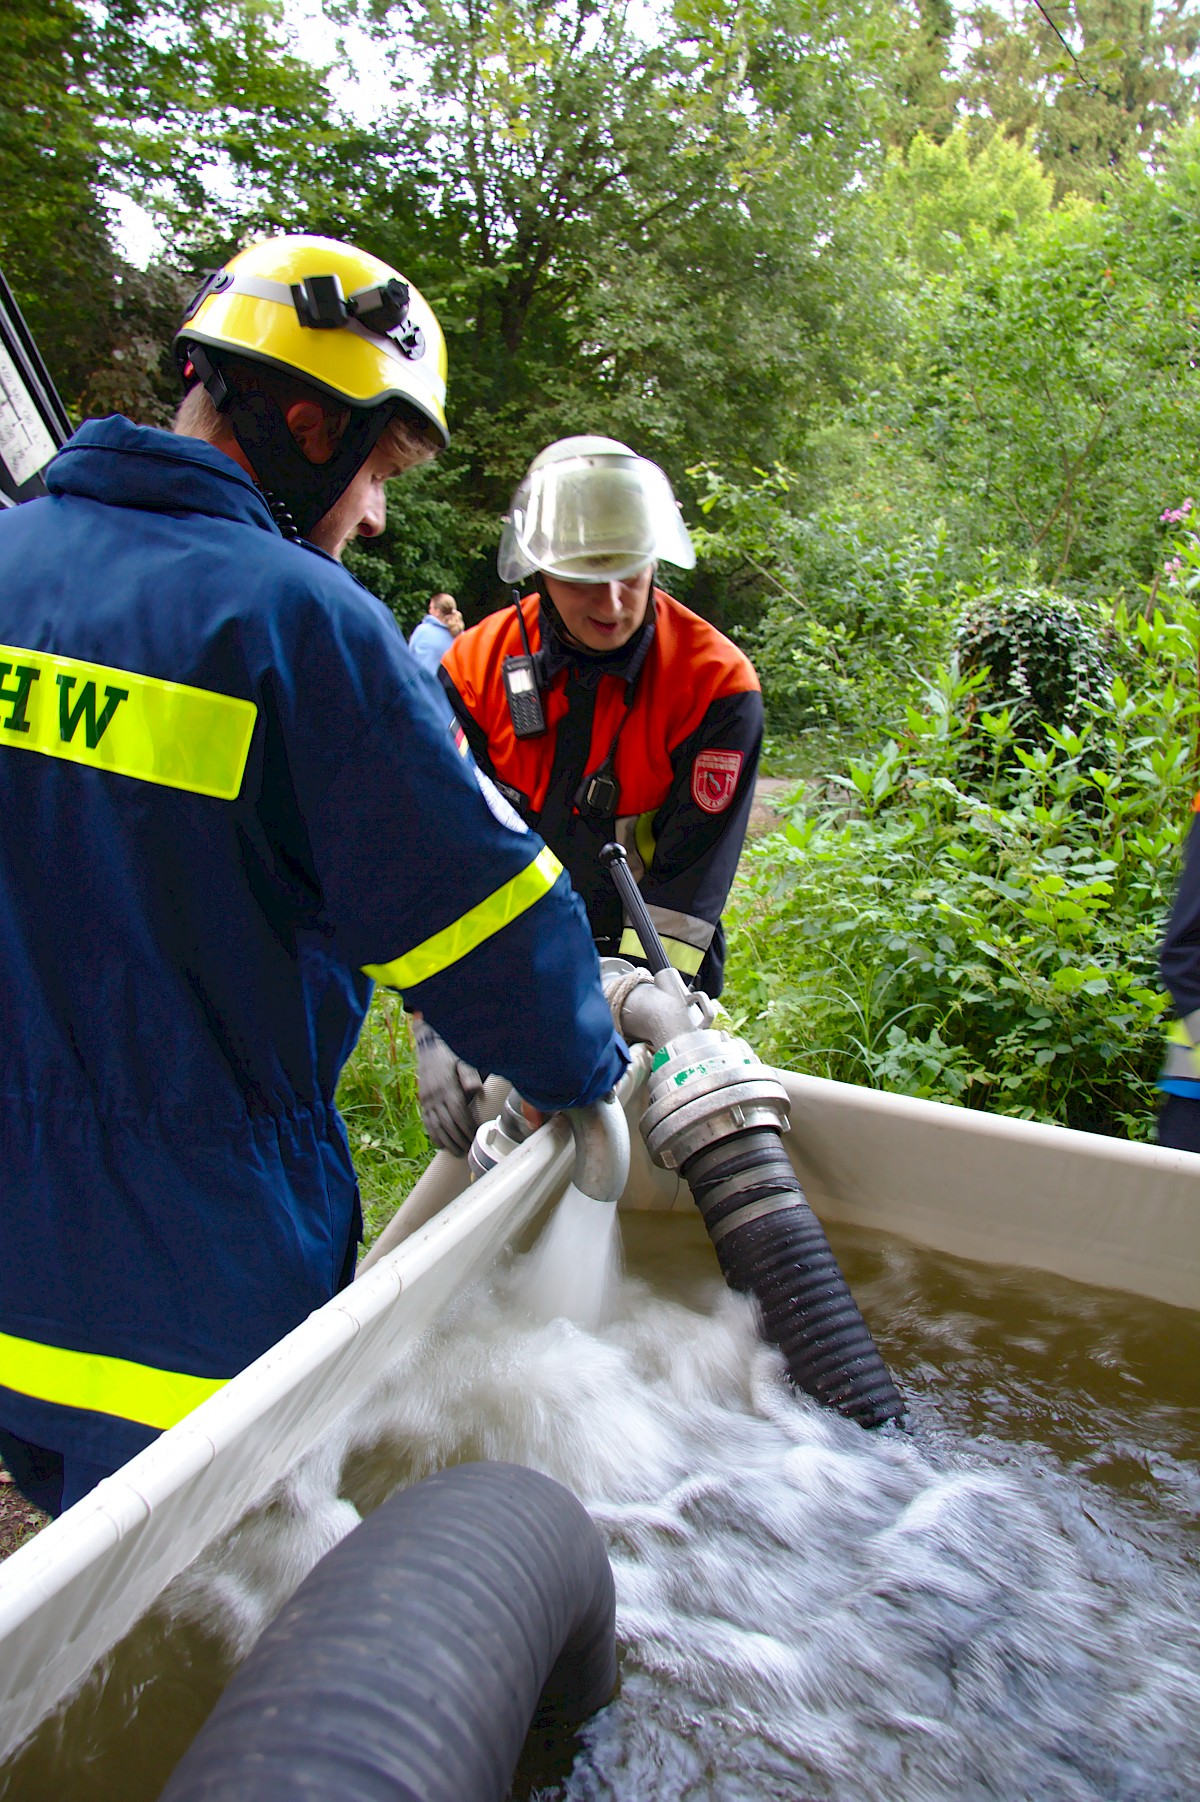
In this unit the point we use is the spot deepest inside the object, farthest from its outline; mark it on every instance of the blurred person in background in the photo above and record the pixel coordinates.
(433, 635)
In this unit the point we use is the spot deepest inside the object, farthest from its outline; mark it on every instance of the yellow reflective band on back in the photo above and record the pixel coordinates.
(436, 954)
(132, 725)
(48, 1373)
(686, 958)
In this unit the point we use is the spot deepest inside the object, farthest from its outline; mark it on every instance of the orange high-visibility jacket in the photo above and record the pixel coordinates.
(682, 707)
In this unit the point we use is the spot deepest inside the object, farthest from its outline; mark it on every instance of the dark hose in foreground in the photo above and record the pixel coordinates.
(411, 1663)
(770, 1243)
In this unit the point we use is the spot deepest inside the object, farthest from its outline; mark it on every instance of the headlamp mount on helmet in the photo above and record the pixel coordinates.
(381, 308)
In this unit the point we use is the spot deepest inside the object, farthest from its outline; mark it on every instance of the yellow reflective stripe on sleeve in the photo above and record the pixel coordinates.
(152, 1397)
(482, 922)
(131, 725)
(686, 958)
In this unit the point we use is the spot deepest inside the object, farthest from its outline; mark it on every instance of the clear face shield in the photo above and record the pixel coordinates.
(599, 517)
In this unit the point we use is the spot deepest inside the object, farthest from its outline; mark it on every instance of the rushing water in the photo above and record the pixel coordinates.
(1000, 1604)
(572, 1271)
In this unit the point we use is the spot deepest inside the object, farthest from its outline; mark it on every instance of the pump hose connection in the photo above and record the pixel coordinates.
(716, 1114)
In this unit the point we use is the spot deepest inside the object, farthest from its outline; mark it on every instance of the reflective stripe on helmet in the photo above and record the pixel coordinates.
(481, 922)
(102, 1385)
(129, 724)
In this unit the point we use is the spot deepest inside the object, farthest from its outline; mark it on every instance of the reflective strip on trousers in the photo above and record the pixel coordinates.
(1182, 1060)
(128, 724)
(102, 1385)
(685, 958)
(689, 929)
(481, 922)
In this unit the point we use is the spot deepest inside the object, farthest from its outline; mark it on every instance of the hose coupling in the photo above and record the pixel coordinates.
(704, 1086)
(496, 1138)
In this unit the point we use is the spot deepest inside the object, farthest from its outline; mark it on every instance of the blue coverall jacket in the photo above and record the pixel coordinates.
(229, 799)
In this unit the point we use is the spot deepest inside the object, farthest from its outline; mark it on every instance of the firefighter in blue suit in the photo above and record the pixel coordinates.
(1179, 961)
(230, 802)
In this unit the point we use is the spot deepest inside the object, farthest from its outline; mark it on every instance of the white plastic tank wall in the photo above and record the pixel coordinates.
(979, 1186)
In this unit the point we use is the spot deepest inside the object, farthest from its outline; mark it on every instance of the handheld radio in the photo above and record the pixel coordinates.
(521, 686)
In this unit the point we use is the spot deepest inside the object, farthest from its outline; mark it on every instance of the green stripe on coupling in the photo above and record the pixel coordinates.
(152, 1397)
(131, 725)
(686, 958)
(453, 942)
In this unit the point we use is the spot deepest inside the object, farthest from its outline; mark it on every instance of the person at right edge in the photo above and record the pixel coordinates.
(604, 709)
(1179, 962)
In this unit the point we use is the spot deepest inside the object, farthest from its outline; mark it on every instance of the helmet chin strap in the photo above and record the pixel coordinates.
(299, 493)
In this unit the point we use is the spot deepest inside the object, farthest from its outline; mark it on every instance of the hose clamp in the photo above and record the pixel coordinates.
(704, 1087)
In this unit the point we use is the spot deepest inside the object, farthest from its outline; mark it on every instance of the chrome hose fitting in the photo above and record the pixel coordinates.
(704, 1086)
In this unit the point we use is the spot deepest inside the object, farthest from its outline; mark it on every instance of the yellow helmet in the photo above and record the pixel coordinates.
(342, 320)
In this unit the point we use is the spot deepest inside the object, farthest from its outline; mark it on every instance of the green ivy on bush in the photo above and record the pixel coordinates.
(1040, 656)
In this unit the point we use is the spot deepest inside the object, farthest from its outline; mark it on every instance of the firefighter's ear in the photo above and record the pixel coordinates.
(316, 431)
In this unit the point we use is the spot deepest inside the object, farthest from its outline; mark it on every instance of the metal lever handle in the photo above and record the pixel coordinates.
(617, 864)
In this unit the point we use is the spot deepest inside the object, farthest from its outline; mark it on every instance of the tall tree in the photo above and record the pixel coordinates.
(146, 99)
(1051, 381)
(628, 229)
(1095, 84)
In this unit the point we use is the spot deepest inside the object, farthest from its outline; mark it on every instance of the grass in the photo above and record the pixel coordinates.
(378, 1100)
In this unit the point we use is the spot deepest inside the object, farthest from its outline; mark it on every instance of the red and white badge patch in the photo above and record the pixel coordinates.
(715, 778)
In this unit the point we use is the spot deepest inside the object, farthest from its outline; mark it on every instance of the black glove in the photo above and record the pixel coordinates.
(446, 1087)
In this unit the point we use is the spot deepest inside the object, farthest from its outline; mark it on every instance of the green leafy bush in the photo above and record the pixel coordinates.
(1040, 656)
(845, 608)
(985, 931)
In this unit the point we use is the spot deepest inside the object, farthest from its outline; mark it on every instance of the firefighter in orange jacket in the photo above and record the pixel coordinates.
(604, 709)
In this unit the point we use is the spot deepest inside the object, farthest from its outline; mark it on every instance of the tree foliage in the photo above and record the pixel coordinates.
(146, 99)
(1096, 85)
(976, 919)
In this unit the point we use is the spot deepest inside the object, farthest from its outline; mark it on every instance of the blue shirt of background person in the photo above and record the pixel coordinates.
(435, 633)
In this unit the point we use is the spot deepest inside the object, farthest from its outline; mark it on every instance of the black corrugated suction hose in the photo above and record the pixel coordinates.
(410, 1663)
(771, 1245)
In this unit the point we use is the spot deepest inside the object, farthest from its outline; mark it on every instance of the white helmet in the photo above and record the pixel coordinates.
(592, 510)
